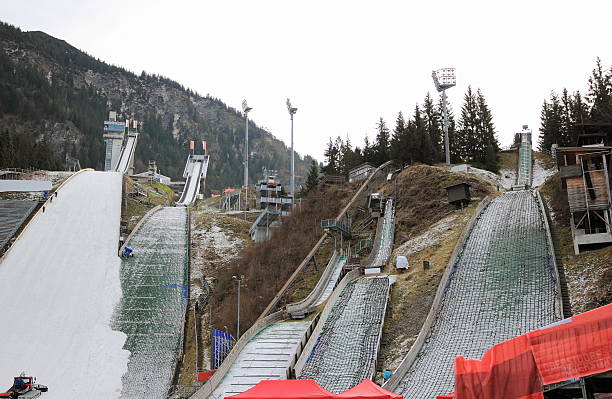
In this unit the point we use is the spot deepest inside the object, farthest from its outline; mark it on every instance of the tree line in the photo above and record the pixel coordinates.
(562, 114)
(420, 138)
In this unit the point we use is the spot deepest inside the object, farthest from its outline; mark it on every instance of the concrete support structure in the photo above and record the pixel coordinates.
(114, 132)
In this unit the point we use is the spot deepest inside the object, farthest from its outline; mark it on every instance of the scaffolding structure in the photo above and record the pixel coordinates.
(585, 174)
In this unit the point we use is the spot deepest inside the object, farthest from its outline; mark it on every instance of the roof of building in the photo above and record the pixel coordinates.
(148, 174)
(361, 166)
(584, 149)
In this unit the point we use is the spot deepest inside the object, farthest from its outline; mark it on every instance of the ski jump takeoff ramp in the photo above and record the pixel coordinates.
(195, 171)
(126, 159)
(59, 284)
(501, 283)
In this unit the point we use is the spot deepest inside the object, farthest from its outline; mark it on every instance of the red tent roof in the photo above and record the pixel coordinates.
(278, 389)
(366, 389)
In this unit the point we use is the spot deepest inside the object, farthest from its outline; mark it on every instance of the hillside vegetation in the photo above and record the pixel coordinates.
(266, 266)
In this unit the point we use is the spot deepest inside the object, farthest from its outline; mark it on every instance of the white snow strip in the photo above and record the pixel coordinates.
(436, 233)
(540, 174)
(507, 178)
(58, 287)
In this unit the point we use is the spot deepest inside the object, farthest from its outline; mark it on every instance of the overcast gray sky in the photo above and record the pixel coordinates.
(344, 64)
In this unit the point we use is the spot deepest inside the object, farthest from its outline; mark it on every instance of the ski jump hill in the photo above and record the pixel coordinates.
(59, 283)
(126, 159)
(61, 280)
(502, 281)
(195, 171)
(276, 347)
(155, 287)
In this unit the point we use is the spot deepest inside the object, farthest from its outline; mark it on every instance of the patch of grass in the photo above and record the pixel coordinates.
(589, 279)
(421, 199)
(508, 160)
(155, 194)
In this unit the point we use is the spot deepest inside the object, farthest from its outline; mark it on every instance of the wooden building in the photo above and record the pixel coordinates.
(585, 174)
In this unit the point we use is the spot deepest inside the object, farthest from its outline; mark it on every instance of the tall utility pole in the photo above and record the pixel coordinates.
(246, 109)
(239, 280)
(292, 112)
(444, 79)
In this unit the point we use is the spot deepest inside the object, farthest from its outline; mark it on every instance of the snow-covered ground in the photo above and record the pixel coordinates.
(483, 174)
(215, 245)
(540, 174)
(507, 178)
(59, 284)
(437, 232)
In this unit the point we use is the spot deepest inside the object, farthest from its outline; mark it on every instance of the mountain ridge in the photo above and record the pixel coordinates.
(58, 97)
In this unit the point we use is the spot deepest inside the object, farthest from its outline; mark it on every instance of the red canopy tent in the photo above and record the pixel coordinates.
(280, 389)
(366, 389)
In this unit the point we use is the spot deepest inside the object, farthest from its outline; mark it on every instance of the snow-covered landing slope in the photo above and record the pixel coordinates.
(59, 284)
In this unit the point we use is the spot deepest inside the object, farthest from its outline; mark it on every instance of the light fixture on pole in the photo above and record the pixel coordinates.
(246, 109)
(292, 111)
(444, 79)
(239, 280)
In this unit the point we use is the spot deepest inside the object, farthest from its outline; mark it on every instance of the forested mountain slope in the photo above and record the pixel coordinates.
(54, 98)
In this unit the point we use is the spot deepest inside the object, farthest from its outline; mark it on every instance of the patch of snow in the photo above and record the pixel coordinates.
(59, 285)
(507, 178)
(484, 174)
(175, 129)
(540, 174)
(213, 239)
(437, 232)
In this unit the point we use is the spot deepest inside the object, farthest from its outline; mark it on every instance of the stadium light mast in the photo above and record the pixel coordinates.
(292, 111)
(444, 79)
(246, 109)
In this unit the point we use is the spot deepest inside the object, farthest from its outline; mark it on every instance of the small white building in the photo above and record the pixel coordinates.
(148, 176)
(360, 172)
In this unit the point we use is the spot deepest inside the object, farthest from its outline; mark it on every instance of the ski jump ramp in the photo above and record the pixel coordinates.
(126, 159)
(151, 311)
(195, 171)
(325, 286)
(344, 346)
(501, 283)
(59, 284)
(343, 352)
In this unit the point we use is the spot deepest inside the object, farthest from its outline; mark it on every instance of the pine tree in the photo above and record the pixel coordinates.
(369, 151)
(487, 143)
(399, 146)
(422, 141)
(465, 139)
(433, 125)
(600, 94)
(312, 180)
(332, 158)
(381, 146)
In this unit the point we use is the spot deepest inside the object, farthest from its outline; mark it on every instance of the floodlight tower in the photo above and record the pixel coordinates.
(246, 109)
(444, 79)
(292, 112)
